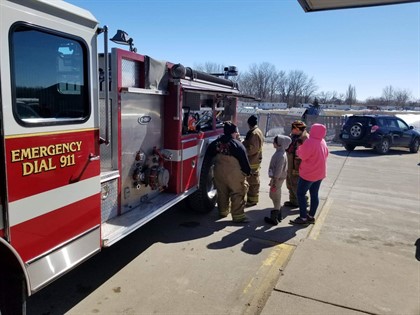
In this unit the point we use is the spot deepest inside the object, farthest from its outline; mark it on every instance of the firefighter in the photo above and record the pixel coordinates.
(253, 143)
(298, 135)
(230, 170)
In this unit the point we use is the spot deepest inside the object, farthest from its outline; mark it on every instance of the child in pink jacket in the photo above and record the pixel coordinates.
(312, 170)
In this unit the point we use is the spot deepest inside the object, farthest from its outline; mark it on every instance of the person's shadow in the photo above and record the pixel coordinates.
(256, 238)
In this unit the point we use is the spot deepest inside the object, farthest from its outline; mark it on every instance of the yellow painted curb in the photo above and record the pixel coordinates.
(314, 233)
(261, 285)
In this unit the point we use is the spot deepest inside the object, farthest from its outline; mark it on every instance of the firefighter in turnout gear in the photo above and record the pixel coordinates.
(253, 143)
(230, 171)
(298, 135)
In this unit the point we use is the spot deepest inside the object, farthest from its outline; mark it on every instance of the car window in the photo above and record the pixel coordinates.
(357, 119)
(393, 123)
(402, 125)
(380, 122)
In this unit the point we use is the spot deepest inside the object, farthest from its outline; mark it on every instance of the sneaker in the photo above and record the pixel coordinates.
(299, 221)
(311, 220)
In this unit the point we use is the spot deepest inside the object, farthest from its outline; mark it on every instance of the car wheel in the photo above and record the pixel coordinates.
(12, 295)
(356, 131)
(204, 199)
(349, 147)
(383, 146)
(414, 147)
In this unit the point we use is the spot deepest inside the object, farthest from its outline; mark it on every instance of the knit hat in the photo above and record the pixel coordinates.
(252, 120)
(299, 124)
(229, 128)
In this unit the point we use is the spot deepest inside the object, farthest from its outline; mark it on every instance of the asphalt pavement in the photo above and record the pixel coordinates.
(358, 258)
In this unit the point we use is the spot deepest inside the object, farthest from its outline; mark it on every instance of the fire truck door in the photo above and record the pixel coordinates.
(51, 150)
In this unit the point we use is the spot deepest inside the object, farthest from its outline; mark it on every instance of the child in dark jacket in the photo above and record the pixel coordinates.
(277, 172)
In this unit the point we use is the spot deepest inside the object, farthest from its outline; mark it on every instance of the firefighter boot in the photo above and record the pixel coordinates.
(274, 217)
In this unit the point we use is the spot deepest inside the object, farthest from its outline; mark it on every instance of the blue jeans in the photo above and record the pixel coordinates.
(302, 189)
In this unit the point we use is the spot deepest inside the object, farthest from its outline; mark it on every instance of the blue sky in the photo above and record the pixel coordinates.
(369, 48)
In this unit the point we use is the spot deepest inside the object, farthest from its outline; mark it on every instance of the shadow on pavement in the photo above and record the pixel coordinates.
(175, 225)
(367, 153)
(260, 239)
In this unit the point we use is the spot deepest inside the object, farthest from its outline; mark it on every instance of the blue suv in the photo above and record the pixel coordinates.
(380, 132)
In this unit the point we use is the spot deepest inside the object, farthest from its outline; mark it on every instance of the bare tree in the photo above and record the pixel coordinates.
(209, 67)
(330, 97)
(402, 97)
(260, 81)
(300, 86)
(264, 82)
(374, 101)
(351, 95)
(309, 90)
(283, 87)
(388, 96)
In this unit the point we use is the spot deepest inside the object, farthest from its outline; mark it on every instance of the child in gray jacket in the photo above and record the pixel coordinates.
(277, 172)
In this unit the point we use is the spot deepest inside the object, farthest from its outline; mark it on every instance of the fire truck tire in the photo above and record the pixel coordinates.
(204, 199)
(12, 295)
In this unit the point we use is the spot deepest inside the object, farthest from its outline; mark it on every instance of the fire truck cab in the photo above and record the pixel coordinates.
(93, 146)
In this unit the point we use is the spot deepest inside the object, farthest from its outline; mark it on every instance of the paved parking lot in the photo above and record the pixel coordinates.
(358, 258)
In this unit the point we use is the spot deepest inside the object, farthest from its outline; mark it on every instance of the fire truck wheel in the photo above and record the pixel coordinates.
(12, 295)
(204, 199)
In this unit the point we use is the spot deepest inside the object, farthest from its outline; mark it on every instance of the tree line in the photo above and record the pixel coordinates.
(267, 84)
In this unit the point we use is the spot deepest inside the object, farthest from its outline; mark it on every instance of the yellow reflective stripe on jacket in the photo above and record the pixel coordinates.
(255, 166)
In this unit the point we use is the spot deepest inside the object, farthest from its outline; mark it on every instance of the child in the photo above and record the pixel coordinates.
(277, 172)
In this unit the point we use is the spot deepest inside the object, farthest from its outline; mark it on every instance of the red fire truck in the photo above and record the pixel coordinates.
(93, 146)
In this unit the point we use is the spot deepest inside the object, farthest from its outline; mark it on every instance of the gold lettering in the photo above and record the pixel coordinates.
(35, 153)
(51, 150)
(43, 151)
(59, 148)
(66, 147)
(26, 154)
(73, 147)
(27, 168)
(42, 166)
(15, 155)
(50, 165)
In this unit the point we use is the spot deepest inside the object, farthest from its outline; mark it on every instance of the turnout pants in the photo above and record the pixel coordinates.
(231, 187)
(254, 185)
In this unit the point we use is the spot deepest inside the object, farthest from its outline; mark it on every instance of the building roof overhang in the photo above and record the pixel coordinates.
(323, 5)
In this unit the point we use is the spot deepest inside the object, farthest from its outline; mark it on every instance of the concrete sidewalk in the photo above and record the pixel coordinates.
(325, 278)
(359, 257)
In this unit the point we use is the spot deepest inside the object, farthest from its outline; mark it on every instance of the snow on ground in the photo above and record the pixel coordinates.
(411, 119)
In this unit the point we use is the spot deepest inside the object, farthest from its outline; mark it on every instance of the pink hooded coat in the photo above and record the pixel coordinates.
(313, 153)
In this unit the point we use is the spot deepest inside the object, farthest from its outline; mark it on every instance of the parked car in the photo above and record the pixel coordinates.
(380, 132)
